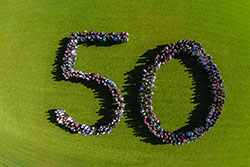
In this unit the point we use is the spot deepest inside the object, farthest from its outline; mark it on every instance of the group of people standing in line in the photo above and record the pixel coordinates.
(68, 72)
(216, 89)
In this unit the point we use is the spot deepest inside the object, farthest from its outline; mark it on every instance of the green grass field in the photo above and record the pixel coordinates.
(31, 33)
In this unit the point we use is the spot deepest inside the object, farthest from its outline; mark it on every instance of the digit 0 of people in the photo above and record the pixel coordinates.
(188, 47)
(195, 50)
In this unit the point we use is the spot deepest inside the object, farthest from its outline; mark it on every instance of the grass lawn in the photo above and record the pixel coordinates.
(32, 35)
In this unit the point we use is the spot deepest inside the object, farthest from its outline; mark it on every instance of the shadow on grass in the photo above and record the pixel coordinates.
(133, 115)
(102, 93)
(201, 97)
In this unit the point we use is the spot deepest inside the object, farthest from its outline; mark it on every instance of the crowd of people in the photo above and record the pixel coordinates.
(68, 72)
(188, 47)
(217, 90)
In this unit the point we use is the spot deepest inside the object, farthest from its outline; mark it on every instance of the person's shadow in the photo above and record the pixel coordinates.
(201, 95)
(102, 93)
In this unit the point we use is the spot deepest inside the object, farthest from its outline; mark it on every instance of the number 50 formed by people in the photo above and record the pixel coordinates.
(188, 47)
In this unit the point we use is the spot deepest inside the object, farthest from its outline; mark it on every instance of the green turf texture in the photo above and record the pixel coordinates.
(30, 34)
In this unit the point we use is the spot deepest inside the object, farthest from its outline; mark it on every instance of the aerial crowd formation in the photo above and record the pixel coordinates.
(188, 47)
(216, 89)
(68, 72)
